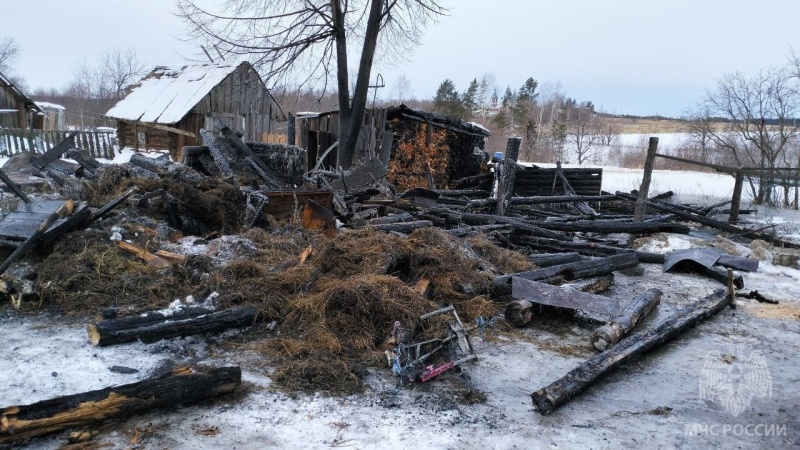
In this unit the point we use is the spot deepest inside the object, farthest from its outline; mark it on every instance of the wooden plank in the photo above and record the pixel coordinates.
(54, 153)
(13, 186)
(161, 127)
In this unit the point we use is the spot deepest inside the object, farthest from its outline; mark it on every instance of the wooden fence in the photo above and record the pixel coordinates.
(101, 144)
(273, 138)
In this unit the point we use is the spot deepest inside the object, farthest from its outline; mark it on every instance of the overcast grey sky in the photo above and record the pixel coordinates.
(627, 56)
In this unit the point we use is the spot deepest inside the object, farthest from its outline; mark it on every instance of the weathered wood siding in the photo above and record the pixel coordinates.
(8, 100)
(242, 102)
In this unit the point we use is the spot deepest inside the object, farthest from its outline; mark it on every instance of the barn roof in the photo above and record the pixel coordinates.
(166, 94)
(7, 84)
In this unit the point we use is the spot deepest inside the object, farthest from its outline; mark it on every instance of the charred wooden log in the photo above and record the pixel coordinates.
(544, 199)
(610, 333)
(553, 259)
(549, 398)
(157, 326)
(700, 218)
(403, 227)
(570, 271)
(462, 192)
(89, 164)
(612, 226)
(394, 218)
(584, 248)
(489, 219)
(181, 386)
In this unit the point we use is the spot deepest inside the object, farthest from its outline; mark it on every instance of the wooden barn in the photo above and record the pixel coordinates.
(169, 106)
(418, 148)
(17, 110)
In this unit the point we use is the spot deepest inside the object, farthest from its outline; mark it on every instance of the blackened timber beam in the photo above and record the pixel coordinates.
(216, 153)
(54, 153)
(241, 147)
(13, 186)
(150, 328)
(505, 186)
(644, 189)
(612, 226)
(582, 206)
(570, 271)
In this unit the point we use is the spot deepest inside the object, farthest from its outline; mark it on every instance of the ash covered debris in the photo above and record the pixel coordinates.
(319, 266)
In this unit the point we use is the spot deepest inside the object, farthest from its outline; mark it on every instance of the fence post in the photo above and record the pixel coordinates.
(290, 129)
(644, 189)
(737, 197)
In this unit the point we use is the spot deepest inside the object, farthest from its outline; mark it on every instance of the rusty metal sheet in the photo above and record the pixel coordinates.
(563, 297)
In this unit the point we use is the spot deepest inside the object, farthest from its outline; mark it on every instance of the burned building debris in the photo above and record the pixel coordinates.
(395, 264)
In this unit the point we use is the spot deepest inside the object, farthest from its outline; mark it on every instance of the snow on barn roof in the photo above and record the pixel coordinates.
(166, 94)
(48, 105)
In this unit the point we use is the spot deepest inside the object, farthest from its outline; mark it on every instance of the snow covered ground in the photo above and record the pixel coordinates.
(652, 403)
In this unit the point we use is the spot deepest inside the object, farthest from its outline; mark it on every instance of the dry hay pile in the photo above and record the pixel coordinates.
(358, 285)
(87, 273)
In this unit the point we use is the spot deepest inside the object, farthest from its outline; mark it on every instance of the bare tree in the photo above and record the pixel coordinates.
(760, 112)
(9, 52)
(309, 39)
(583, 131)
(486, 85)
(402, 88)
(118, 69)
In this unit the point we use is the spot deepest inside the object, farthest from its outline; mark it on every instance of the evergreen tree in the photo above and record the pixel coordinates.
(447, 100)
(469, 99)
(524, 101)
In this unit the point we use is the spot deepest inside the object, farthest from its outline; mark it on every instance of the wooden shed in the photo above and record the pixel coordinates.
(417, 147)
(169, 106)
(54, 116)
(17, 110)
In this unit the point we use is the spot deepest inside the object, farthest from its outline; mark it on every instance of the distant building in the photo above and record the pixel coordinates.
(169, 106)
(17, 110)
(54, 117)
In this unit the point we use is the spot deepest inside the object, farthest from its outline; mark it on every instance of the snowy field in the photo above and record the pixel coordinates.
(650, 403)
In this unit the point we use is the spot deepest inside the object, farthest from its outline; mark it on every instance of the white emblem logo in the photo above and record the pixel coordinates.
(734, 378)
